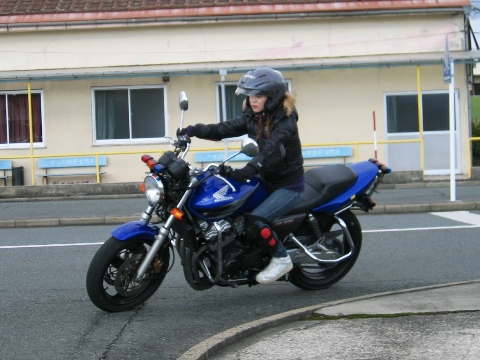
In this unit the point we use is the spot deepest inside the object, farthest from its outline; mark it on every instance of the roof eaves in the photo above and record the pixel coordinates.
(236, 10)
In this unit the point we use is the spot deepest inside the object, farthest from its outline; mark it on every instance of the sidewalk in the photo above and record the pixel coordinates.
(435, 322)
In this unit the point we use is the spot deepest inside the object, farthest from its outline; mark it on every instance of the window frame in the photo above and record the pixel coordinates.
(410, 93)
(40, 144)
(130, 141)
(218, 105)
(403, 160)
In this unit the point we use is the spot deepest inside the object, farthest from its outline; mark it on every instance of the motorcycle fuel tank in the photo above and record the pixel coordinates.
(214, 198)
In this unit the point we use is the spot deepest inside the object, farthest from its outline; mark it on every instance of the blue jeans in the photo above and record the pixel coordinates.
(280, 202)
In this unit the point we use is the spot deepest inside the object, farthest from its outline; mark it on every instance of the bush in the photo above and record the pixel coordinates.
(475, 143)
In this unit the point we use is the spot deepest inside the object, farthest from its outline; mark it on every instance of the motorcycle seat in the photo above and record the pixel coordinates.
(322, 184)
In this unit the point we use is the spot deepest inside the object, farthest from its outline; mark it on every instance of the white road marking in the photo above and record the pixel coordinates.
(462, 216)
(473, 221)
(48, 245)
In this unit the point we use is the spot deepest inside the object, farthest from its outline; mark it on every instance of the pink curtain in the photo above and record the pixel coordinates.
(37, 118)
(18, 114)
(3, 120)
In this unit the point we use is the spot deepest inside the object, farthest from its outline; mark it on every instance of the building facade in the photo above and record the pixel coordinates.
(104, 79)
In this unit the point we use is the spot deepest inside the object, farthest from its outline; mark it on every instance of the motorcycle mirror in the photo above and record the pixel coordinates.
(249, 147)
(183, 101)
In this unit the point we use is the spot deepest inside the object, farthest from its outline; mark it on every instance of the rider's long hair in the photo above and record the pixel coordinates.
(264, 120)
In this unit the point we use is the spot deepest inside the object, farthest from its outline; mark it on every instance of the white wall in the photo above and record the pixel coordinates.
(199, 44)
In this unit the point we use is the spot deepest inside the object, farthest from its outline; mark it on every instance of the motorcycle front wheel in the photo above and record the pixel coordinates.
(321, 276)
(111, 277)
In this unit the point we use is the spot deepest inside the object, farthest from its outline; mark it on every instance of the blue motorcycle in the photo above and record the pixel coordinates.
(199, 214)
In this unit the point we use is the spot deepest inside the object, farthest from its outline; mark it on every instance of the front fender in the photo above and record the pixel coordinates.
(135, 230)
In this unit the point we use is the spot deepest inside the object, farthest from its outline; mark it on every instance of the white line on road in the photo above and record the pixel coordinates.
(48, 245)
(461, 216)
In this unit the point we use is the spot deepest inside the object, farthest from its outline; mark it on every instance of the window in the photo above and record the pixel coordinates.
(233, 102)
(402, 124)
(14, 119)
(402, 112)
(129, 115)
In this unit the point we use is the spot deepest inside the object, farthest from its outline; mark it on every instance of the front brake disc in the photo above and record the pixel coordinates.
(125, 280)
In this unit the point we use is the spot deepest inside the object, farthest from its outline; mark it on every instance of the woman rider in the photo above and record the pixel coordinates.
(269, 117)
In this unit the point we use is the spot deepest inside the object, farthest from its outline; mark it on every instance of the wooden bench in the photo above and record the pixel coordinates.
(206, 157)
(5, 165)
(74, 162)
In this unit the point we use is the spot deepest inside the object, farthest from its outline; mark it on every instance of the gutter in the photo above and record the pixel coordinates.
(88, 19)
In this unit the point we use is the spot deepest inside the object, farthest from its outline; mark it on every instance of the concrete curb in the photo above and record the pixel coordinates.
(214, 344)
(68, 191)
(107, 220)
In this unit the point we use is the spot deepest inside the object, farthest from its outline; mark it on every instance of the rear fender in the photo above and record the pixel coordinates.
(135, 230)
(367, 172)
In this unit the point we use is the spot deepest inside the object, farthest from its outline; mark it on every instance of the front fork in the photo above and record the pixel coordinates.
(162, 235)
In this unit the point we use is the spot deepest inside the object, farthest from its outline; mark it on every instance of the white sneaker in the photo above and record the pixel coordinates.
(275, 270)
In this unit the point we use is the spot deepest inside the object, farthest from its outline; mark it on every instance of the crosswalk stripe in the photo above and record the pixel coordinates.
(461, 216)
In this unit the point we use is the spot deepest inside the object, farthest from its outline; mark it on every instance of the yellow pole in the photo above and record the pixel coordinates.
(30, 125)
(420, 120)
(97, 166)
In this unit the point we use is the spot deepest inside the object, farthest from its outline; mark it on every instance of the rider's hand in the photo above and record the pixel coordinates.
(188, 131)
(245, 173)
(224, 170)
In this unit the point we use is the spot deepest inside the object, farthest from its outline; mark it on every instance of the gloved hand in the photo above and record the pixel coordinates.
(189, 131)
(245, 173)
(224, 170)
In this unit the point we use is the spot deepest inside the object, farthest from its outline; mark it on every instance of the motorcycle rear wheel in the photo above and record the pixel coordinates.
(323, 276)
(111, 284)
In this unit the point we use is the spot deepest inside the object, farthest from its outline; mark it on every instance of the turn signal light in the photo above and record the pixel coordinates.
(151, 163)
(146, 157)
(177, 213)
(142, 187)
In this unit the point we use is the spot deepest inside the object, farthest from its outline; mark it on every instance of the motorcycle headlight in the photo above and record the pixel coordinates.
(153, 189)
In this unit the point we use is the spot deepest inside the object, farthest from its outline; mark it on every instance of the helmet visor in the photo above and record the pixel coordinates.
(248, 92)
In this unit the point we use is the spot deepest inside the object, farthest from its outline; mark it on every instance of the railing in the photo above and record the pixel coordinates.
(355, 144)
(97, 165)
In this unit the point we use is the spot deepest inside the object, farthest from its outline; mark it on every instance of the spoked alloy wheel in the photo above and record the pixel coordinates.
(111, 278)
(315, 276)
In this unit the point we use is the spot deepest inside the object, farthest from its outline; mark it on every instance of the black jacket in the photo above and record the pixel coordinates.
(280, 160)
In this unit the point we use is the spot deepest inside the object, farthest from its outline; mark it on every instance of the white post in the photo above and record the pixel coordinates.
(452, 131)
(223, 73)
(375, 136)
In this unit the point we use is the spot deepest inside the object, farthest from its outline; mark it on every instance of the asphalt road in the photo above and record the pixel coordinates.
(46, 313)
